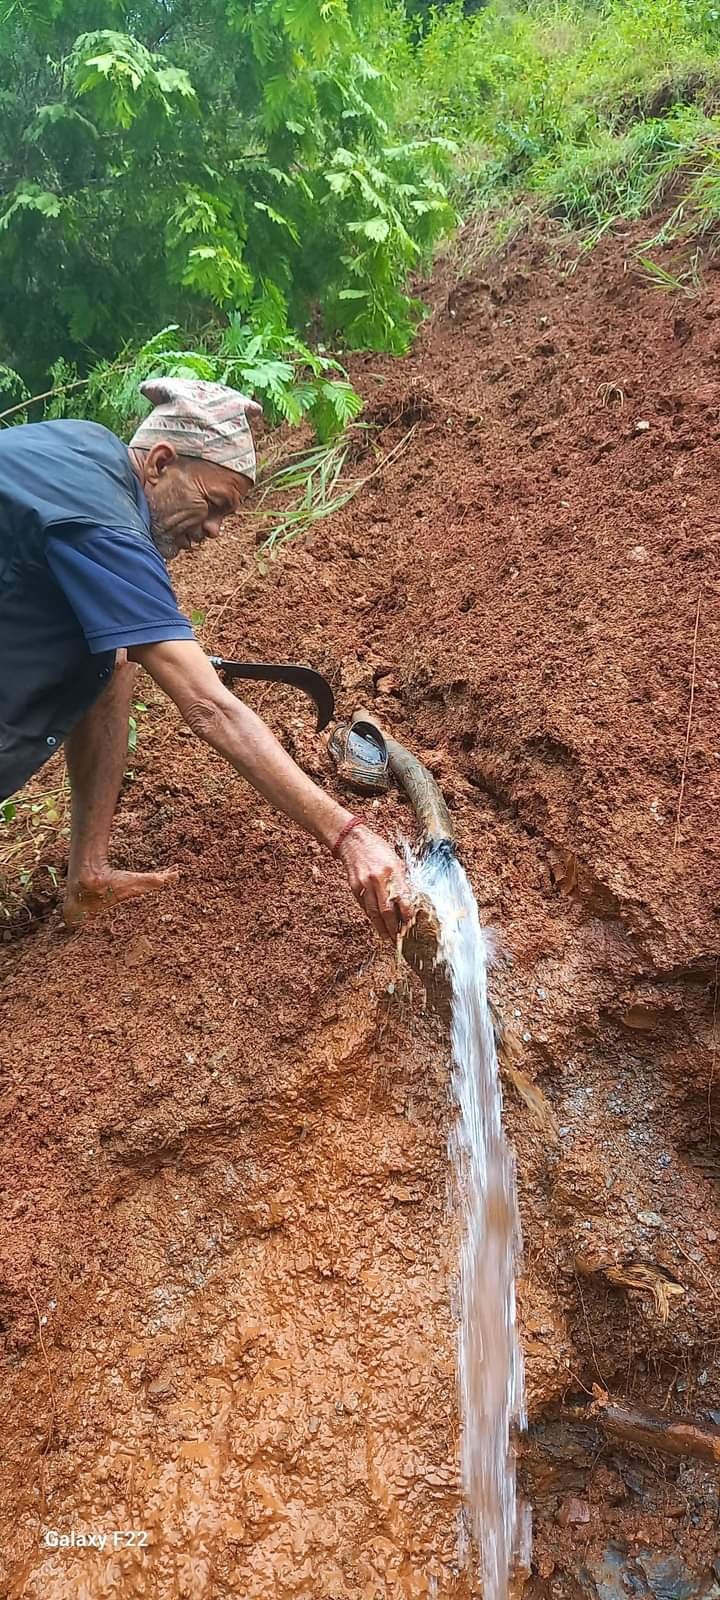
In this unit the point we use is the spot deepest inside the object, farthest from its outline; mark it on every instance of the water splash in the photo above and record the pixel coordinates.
(490, 1366)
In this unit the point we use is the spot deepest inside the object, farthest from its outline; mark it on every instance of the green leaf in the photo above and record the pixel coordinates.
(339, 182)
(377, 228)
(286, 206)
(190, 364)
(56, 116)
(172, 80)
(11, 384)
(282, 222)
(106, 64)
(29, 197)
(363, 68)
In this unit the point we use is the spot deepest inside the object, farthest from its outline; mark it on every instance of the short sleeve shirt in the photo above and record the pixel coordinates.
(80, 577)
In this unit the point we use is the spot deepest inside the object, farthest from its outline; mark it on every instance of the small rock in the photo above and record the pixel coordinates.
(163, 1386)
(573, 1510)
(541, 994)
(642, 427)
(668, 1578)
(650, 1219)
(137, 953)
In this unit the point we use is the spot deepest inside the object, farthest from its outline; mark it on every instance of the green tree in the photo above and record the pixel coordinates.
(226, 164)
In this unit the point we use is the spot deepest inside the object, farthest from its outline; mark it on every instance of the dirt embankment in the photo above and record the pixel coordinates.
(224, 1183)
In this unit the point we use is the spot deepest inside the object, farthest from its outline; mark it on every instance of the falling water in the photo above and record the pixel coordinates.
(490, 1366)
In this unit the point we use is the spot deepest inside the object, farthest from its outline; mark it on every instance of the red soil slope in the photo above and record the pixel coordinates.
(224, 1192)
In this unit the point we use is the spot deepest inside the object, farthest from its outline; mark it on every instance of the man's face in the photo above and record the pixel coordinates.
(188, 499)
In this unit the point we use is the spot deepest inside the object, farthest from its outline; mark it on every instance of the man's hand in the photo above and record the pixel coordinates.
(378, 881)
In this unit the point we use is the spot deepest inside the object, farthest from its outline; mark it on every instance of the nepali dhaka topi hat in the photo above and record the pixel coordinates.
(206, 420)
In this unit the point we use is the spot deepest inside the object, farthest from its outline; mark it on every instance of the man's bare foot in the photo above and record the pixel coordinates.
(101, 891)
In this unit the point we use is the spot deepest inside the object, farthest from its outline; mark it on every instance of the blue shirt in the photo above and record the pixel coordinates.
(116, 585)
(80, 577)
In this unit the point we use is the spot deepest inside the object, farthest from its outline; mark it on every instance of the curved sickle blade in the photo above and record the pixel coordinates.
(306, 678)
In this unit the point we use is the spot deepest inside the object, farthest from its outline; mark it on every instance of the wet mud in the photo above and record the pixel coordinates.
(228, 1292)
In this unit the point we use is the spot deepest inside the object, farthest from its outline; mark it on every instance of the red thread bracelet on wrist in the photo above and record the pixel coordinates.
(355, 822)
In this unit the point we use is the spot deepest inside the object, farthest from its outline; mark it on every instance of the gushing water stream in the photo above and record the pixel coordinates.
(490, 1366)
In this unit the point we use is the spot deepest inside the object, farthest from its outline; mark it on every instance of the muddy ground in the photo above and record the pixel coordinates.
(227, 1250)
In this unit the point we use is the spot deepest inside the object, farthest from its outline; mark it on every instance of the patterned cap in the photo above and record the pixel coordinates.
(208, 420)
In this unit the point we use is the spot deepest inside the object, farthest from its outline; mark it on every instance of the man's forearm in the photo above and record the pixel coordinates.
(249, 745)
(182, 669)
(374, 873)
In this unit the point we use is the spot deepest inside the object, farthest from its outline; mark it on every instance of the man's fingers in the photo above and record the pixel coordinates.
(391, 923)
(397, 893)
(390, 905)
(367, 898)
(379, 884)
(404, 909)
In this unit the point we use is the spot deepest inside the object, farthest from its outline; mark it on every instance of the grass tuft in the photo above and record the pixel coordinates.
(32, 823)
(589, 112)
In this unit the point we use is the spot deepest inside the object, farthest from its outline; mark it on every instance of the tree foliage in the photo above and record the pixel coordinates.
(260, 176)
(227, 166)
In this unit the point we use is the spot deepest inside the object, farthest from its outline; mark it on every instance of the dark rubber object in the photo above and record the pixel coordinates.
(360, 754)
(419, 785)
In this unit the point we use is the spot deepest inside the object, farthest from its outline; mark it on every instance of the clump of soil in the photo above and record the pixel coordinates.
(227, 1257)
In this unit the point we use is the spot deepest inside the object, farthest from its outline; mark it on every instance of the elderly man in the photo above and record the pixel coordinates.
(87, 524)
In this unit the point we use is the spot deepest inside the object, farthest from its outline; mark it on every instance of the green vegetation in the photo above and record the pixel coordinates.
(591, 112)
(258, 179)
(32, 825)
(313, 485)
(217, 166)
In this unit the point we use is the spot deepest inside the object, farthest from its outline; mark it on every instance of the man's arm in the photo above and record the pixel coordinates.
(374, 872)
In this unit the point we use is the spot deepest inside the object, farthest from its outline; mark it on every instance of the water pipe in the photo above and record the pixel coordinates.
(419, 785)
